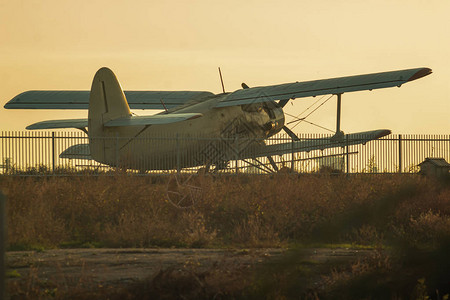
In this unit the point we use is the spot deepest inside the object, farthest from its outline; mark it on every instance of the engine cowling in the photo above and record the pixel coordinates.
(276, 116)
(267, 118)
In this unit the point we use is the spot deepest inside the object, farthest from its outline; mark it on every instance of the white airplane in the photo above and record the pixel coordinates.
(116, 137)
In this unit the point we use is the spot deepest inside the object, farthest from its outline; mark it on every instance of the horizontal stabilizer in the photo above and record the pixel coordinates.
(54, 124)
(126, 121)
(306, 145)
(152, 120)
(79, 151)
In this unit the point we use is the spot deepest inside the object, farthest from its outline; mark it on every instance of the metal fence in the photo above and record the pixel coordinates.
(38, 153)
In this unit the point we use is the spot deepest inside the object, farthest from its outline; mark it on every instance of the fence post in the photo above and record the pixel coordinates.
(2, 246)
(292, 155)
(178, 154)
(347, 169)
(236, 140)
(400, 167)
(117, 151)
(53, 152)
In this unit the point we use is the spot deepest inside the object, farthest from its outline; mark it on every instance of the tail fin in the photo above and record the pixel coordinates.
(106, 102)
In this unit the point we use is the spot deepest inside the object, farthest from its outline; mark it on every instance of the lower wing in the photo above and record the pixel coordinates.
(307, 145)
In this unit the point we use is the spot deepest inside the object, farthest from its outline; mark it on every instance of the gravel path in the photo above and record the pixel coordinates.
(122, 266)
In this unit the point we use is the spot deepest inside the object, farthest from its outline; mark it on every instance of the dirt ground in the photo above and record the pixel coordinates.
(124, 266)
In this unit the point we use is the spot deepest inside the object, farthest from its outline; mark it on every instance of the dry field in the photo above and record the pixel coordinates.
(404, 221)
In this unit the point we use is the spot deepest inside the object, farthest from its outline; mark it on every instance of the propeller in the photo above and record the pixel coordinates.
(289, 132)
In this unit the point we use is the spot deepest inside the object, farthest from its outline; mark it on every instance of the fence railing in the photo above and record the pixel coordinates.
(37, 153)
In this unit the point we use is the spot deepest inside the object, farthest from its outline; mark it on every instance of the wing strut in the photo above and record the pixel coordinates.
(338, 133)
(338, 118)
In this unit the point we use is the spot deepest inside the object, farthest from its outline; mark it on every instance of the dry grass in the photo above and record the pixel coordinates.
(260, 211)
(408, 215)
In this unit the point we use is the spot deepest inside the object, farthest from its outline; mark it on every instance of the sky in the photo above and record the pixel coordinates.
(178, 45)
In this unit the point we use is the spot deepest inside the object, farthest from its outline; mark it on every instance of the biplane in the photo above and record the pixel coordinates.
(117, 137)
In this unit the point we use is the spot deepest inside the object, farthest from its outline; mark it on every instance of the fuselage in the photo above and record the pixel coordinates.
(193, 142)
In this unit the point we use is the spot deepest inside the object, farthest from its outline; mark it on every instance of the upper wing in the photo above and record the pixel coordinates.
(80, 99)
(127, 121)
(323, 87)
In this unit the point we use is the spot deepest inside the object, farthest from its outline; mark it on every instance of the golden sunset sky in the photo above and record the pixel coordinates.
(178, 45)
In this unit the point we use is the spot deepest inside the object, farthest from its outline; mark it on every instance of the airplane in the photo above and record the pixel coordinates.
(242, 121)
